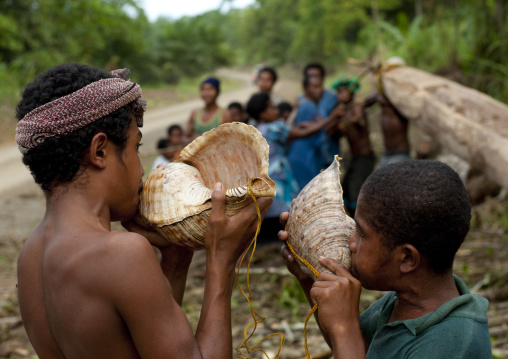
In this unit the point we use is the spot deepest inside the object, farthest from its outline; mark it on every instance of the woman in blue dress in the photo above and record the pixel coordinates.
(278, 134)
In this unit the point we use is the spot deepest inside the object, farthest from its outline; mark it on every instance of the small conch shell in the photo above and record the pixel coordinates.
(318, 225)
(176, 198)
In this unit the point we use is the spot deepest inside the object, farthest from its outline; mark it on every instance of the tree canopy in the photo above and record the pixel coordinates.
(468, 36)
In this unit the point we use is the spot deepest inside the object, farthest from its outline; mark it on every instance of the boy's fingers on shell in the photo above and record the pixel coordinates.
(326, 277)
(333, 265)
(283, 218)
(286, 253)
(283, 235)
(218, 201)
(264, 204)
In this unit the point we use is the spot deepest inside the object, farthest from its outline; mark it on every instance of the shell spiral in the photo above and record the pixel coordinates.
(318, 224)
(176, 198)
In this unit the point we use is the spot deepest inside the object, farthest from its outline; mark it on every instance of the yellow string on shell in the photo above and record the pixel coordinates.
(315, 307)
(256, 316)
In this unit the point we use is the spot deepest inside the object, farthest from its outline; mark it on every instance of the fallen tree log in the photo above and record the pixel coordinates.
(462, 120)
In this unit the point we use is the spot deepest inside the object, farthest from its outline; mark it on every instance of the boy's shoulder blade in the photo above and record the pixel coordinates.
(123, 251)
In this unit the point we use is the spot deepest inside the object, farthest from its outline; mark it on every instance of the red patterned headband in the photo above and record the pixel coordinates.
(78, 109)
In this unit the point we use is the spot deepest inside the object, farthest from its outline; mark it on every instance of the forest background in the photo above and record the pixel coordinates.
(464, 39)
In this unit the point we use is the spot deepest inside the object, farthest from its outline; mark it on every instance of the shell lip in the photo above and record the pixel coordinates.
(191, 197)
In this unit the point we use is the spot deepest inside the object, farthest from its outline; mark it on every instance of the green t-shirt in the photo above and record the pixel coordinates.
(457, 329)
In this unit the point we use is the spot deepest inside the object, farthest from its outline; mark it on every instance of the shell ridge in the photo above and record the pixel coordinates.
(176, 198)
(318, 223)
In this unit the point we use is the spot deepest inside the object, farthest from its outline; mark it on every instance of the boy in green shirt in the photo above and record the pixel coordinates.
(411, 218)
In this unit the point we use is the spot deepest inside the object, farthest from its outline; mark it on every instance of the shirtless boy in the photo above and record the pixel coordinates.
(84, 290)
(412, 217)
(395, 127)
(352, 122)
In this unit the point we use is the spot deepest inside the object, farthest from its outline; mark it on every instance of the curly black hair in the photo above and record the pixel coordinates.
(57, 160)
(314, 65)
(271, 71)
(423, 203)
(284, 106)
(173, 128)
(257, 104)
(236, 105)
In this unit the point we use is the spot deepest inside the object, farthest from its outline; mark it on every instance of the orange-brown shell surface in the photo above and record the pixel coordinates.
(318, 224)
(176, 198)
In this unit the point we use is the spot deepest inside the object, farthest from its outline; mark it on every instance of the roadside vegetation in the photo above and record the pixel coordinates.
(468, 38)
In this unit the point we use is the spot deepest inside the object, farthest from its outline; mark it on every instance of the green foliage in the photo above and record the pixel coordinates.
(35, 36)
(43, 34)
(292, 296)
(468, 36)
(190, 46)
(263, 32)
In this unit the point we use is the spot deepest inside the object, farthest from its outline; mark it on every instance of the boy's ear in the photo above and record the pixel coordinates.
(98, 150)
(410, 258)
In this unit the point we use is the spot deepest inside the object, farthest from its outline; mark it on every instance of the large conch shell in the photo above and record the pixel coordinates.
(317, 223)
(176, 198)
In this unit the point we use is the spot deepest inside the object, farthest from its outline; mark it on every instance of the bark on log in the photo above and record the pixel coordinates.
(464, 121)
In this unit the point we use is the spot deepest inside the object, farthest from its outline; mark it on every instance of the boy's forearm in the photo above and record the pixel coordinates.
(348, 342)
(306, 285)
(175, 269)
(213, 333)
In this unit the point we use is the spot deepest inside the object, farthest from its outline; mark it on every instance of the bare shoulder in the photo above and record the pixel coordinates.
(193, 113)
(124, 251)
(129, 243)
(115, 260)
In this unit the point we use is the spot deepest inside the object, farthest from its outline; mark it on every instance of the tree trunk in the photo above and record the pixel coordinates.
(464, 121)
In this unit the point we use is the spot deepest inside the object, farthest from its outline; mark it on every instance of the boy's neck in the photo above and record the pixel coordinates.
(423, 295)
(76, 204)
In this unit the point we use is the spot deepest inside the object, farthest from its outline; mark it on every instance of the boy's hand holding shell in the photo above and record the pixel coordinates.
(226, 238)
(291, 262)
(177, 198)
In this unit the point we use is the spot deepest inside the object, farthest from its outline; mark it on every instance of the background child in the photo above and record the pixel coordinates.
(236, 112)
(175, 135)
(166, 153)
(277, 134)
(285, 110)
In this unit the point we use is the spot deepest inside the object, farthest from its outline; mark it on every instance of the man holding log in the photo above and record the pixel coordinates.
(411, 218)
(394, 127)
(84, 290)
(351, 121)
